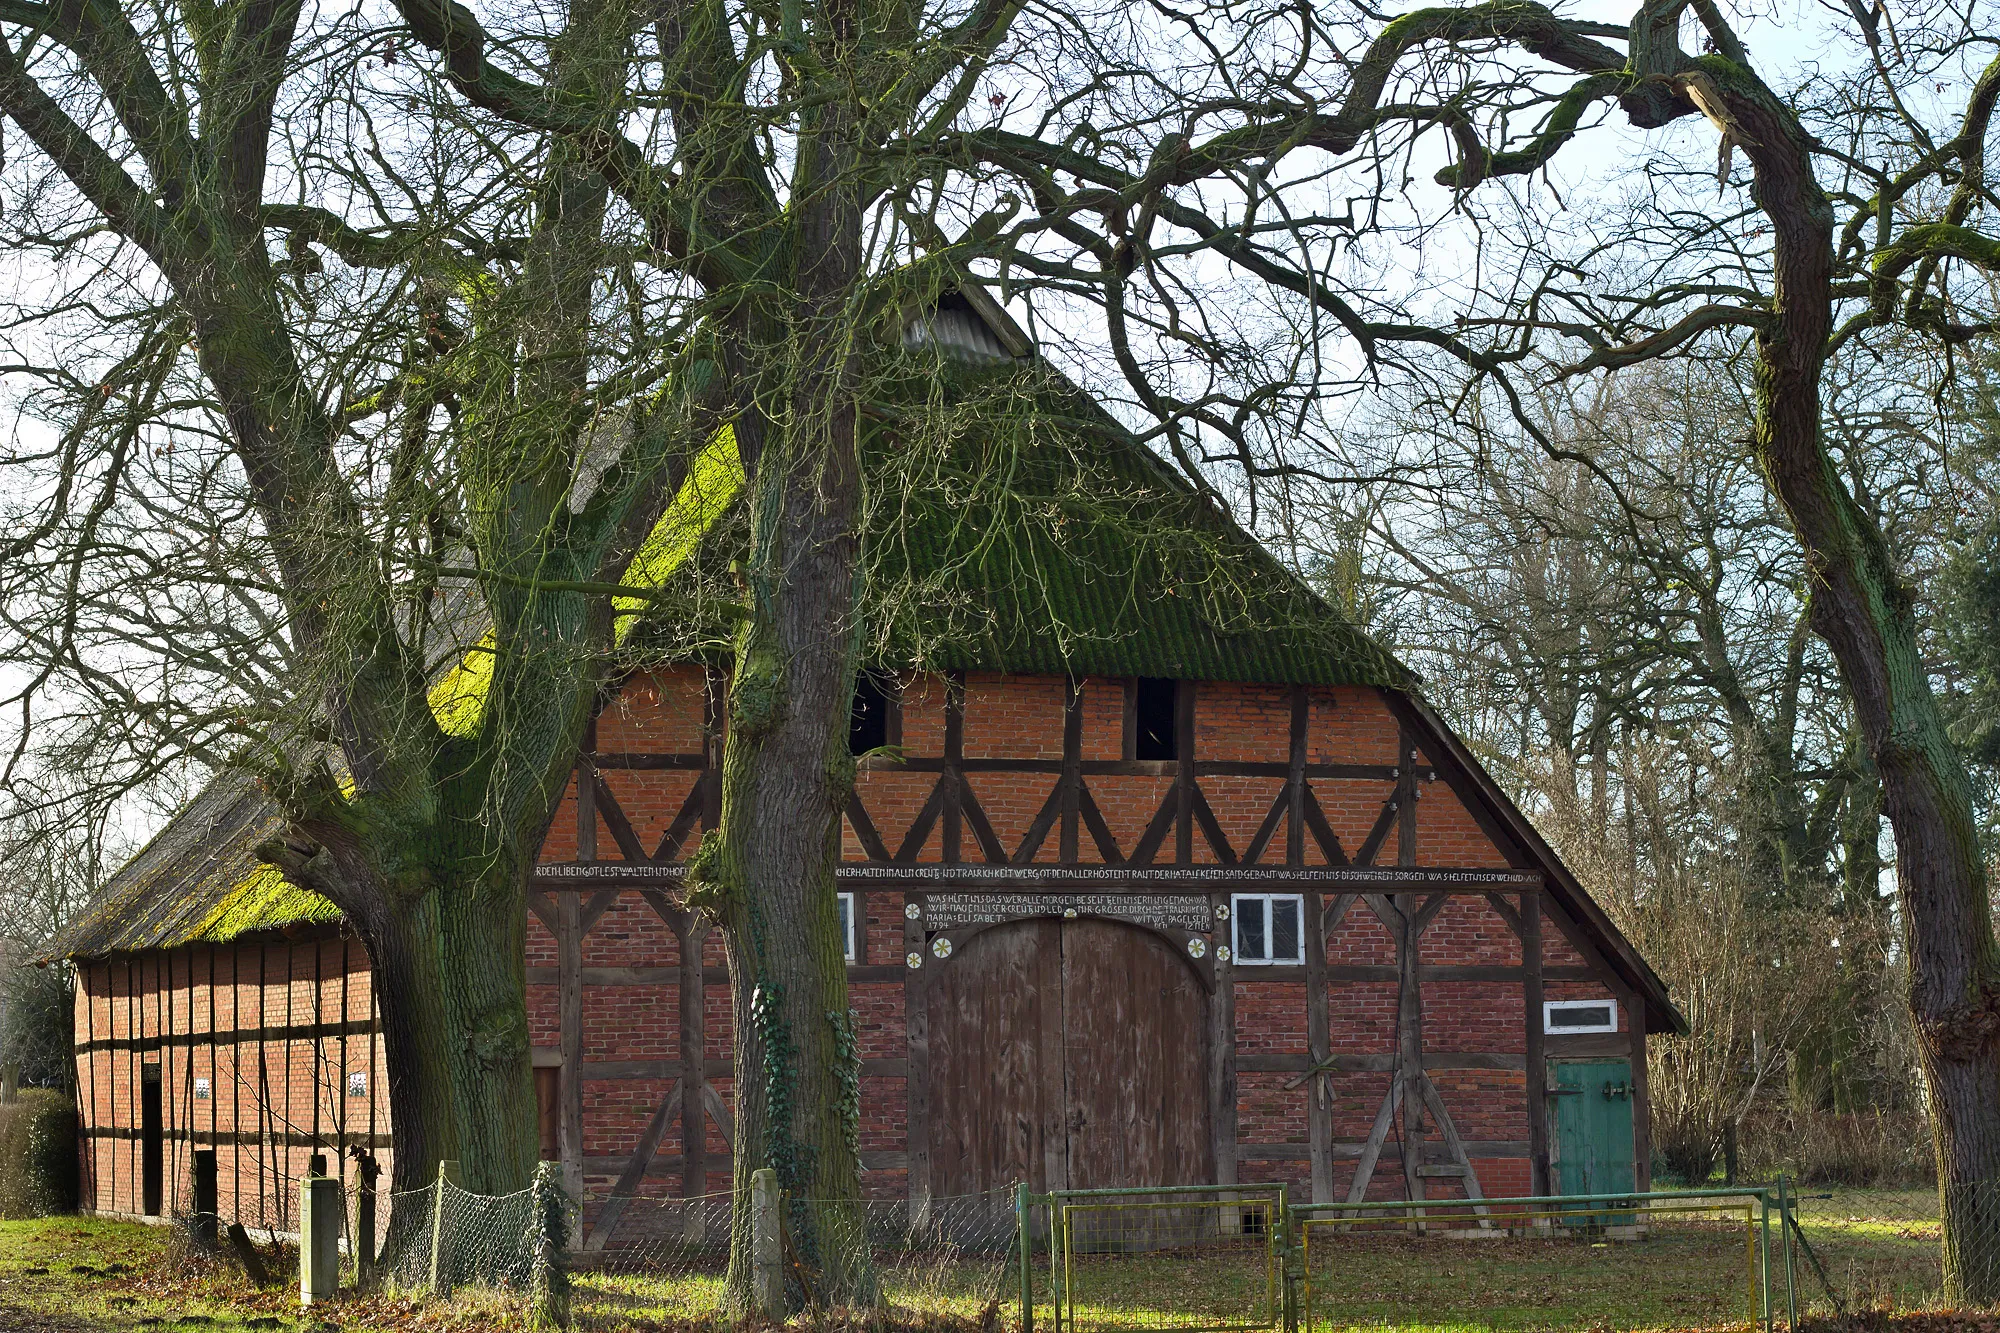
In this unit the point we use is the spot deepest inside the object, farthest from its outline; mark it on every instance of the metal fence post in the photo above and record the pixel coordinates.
(363, 1244)
(440, 1268)
(1058, 1260)
(319, 1239)
(767, 1252)
(1027, 1267)
(1288, 1252)
(1791, 1261)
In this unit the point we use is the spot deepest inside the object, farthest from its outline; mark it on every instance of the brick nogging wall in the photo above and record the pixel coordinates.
(253, 1045)
(275, 1100)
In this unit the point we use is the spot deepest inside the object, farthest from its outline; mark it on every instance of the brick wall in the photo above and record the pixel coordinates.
(253, 1046)
(631, 1034)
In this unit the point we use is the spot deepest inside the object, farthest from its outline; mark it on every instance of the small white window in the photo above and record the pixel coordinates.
(1270, 927)
(202, 1091)
(847, 926)
(357, 1083)
(1579, 1016)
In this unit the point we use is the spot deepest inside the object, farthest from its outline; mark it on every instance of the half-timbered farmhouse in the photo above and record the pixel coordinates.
(1157, 871)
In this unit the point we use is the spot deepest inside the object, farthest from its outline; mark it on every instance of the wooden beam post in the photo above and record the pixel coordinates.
(954, 755)
(1222, 1054)
(1184, 703)
(917, 1038)
(1319, 1109)
(1072, 769)
(569, 1003)
(1295, 783)
(1537, 1071)
(1642, 1097)
(1409, 1048)
(692, 934)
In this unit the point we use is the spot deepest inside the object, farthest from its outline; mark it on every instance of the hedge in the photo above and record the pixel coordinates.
(38, 1170)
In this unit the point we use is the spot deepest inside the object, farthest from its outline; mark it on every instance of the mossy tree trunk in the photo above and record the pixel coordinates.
(767, 874)
(1865, 613)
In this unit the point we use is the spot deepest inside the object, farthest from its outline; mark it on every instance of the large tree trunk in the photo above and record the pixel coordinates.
(1863, 611)
(450, 970)
(769, 875)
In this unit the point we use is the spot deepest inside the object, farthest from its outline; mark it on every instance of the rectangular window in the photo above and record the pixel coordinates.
(1270, 927)
(847, 927)
(1560, 1016)
(357, 1083)
(202, 1090)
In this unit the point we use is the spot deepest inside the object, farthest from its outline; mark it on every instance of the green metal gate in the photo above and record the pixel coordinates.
(1104, 1245)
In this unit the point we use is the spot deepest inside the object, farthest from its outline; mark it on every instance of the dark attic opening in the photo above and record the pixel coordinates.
(868, 719)
(1153, 719)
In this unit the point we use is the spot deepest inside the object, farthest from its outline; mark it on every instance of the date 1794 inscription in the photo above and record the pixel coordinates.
(948, 911)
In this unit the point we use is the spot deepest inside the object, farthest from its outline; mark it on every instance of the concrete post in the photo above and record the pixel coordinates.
(440, 1255)
(767, 1246)
(319, 1239)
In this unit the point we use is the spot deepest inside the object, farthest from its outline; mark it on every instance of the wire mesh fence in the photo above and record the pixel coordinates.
(948, 1257)
(1213, 1258)
(1874, 1249)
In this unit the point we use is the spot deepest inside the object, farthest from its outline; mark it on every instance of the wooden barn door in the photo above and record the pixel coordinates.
(1070, 1054)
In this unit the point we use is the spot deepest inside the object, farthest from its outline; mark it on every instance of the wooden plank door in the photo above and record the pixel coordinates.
(1591, 1104)
(1068, 1053)
(1135, 1043)
(996, 1103)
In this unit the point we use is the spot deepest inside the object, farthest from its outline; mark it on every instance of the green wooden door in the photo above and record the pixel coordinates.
(1590, 1102)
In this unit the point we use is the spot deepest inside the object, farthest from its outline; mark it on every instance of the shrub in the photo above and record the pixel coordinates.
(38, 1168)
(1880, 1149)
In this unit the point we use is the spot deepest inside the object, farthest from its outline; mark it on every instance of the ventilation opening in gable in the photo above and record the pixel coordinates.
(868, 719)
(1153, 719)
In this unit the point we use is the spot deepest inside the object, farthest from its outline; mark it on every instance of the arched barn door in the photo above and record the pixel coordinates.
(1070, 1054)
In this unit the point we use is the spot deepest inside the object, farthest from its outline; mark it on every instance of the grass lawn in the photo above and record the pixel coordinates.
(1880, 1249)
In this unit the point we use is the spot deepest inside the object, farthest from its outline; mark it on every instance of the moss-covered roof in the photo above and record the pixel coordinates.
(1014, 527)
(198, 882)
(1020, 529)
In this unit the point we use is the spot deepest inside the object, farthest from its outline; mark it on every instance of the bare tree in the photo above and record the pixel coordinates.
(1857, 228)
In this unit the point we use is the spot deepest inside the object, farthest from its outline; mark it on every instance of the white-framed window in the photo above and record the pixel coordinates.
(847, 927)
(357, 1083)
(1561, 1016)
(1270, 927)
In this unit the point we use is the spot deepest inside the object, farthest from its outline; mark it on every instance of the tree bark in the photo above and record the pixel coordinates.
(787, 773)
(768, 876)
(449, 957)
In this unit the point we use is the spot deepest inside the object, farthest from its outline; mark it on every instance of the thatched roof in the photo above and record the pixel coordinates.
(1059, 546)
(199, 881)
